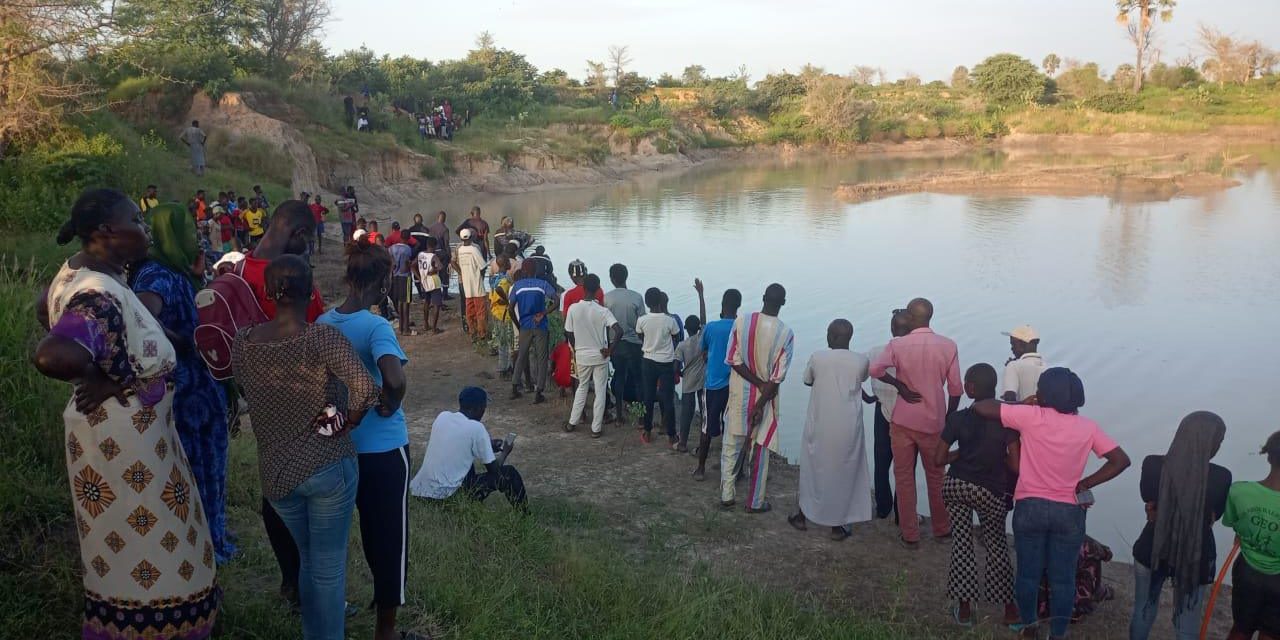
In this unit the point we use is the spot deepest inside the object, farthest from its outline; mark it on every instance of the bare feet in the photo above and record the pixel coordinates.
(699, 474)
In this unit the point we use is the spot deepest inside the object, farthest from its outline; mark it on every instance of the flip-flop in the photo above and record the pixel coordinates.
(955, 615)
(798, 522)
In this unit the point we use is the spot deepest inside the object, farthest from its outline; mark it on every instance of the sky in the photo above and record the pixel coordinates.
(927, 37)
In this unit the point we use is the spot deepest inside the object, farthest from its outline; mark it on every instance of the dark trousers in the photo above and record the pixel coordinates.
(883, 467)
(531, 360)
(689, 402)
(626, 375)
(283, 546)
(444, 273)
(659, 383)
(382, 498)
(1047, 536)
(506, 481)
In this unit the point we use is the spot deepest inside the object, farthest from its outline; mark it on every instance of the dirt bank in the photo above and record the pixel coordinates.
(1148, 180)
(648, 498)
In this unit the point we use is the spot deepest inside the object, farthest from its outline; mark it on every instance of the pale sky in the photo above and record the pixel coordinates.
(929, 37)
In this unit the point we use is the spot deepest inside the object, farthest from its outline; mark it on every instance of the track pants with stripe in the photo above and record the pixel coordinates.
(757, 475)
(383, 502)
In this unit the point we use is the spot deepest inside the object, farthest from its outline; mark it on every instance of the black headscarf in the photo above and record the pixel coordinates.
(1061, 390)
(1180, 518)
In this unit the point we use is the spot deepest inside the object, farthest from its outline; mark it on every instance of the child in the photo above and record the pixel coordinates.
(238, 225)
(562, 367)
(978, 479)
(427, 270)
(693, 365)
(657, 366)
(226, 228)
(374, 236)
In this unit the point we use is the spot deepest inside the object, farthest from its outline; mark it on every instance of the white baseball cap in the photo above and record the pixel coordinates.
(230, 257)
(1025, 333)
(465, 234)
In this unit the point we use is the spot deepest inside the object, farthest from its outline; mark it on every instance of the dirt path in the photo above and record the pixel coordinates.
(647, 494)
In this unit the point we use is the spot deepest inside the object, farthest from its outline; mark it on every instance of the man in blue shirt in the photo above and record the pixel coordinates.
(715, 343)
(529, 298)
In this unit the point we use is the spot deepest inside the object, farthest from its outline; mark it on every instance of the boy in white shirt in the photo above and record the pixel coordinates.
(657, 366)
(426, 270)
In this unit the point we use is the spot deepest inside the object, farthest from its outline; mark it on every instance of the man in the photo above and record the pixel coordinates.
(262, 197)
(319, 211)
(417, 234)
(396, 235)
(925, 361)
(402, 264)
(427, 267)
(714, 342)
(760, 350)
(834, 484)
(626, 306)
(348, 207)
(529, 299)
(291, 228)
(481, 229)
(657, 365)
(469, 265)
(199, 208)
(149, 199)
(440, 232)
(546, 269)
(255, 219)
(456, 442)
(578, 273)
(885, 397)
(1022, 371)
(194, 137)
(592, 332)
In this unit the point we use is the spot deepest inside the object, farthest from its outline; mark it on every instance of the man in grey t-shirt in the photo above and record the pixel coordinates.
(626, 306)
(194, 137)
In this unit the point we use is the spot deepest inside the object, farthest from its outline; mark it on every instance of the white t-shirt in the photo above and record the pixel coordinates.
(429, 282)
(656, 331)
(471, 264)
(1022, 376)
(454, 444)
(590, 324)
(886, 393)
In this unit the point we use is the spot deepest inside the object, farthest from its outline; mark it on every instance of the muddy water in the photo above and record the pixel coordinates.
(1162, 307)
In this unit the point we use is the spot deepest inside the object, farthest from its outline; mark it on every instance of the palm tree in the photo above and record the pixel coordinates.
(1140, 29)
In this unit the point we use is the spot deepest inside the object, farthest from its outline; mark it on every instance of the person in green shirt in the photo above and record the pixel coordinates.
(1253, 510)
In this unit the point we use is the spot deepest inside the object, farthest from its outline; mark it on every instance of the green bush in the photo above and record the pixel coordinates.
(1113, 102)
(624, 121)
(1008, 79)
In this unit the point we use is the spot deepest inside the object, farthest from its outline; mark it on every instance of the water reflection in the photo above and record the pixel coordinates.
(1122, 254)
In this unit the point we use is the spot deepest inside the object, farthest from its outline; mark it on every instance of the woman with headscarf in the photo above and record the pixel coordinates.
(1253, 510)
(144, 539)
(1184, 495)
(166, 283)
(1050, 496)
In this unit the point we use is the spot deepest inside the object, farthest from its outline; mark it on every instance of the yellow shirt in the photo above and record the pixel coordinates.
(253, 219)
(147, 204)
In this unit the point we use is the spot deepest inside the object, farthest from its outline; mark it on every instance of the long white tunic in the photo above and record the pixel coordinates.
(835, 487)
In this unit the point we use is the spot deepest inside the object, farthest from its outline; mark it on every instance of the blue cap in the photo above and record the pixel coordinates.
(473, 397)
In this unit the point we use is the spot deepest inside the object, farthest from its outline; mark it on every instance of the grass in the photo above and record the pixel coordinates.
(476, 571)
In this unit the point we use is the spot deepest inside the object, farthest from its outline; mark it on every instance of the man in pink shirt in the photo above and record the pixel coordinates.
(924, 362)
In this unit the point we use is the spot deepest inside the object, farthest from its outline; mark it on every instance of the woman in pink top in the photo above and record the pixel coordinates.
(1048, 520)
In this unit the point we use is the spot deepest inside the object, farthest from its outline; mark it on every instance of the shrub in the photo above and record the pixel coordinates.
(624, 121)
(1113, 102)
(1008, 79)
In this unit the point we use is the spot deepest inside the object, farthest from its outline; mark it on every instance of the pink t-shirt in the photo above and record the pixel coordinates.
(1055, 448)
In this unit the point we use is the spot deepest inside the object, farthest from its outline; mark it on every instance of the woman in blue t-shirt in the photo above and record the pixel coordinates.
(382, 440)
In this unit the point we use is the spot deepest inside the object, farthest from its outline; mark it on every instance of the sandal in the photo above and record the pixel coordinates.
(955, 615)
(764, 507)
(838, 534)
(798, 521)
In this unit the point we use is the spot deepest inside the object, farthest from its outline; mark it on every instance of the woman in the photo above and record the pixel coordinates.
(166, 285)
(1253, 510)
(499, 307)
(1051, 498)
(1184, 494)
(382, 441)
(306, 459)
(144, 541)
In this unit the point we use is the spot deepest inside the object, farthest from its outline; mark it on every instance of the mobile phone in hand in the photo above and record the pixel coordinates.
(1085, 498)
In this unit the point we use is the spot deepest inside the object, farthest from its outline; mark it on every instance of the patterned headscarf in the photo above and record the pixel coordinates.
(173, 239)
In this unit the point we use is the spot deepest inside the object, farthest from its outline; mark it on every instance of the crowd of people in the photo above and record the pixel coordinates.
(147, 425)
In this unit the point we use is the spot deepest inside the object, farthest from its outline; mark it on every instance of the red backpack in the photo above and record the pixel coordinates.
(224, 308)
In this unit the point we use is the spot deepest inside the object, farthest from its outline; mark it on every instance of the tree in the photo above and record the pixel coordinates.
(1081, 81)
(1009, 79)
(597, 74)
(1123, 76)
(863, 74)
(910, 79)
(286, 25)
(1050, 64)
(619, 58)
(694, 75)
(777, 87)
(833, 109)
(960, 77)
(1230, 60)
(1138, 16)
(667, 81)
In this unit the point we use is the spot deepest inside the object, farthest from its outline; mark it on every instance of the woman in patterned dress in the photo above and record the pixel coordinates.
(144, 542)
(166, 283)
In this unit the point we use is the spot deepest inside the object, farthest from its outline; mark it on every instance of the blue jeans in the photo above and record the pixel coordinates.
(1186, 621)
(318, 514)
(1047, 536)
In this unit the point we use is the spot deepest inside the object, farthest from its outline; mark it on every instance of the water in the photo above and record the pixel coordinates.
(1162, 308)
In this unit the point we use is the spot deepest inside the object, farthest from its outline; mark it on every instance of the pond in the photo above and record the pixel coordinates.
(1163, 308)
